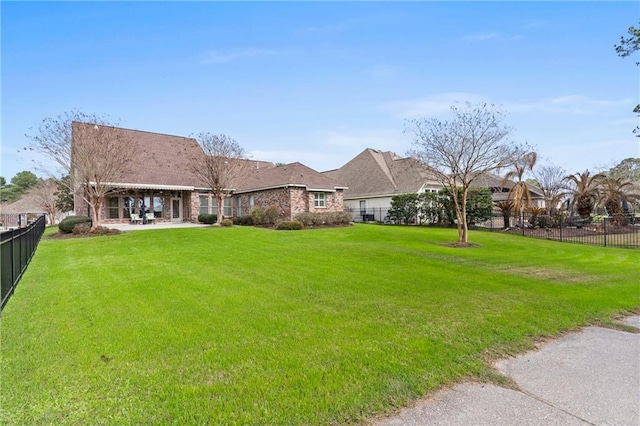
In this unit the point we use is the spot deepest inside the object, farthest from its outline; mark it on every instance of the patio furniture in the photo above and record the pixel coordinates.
(150, 218)
(135, 218)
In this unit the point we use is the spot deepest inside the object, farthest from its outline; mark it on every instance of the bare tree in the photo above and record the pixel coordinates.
(44, 195)
(89, 149)
(551, 182)
(220, 165)
(461, 150)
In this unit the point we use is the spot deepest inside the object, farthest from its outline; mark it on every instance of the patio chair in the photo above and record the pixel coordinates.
(135, 218)
(150, 218)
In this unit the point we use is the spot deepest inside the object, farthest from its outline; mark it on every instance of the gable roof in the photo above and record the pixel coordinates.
(163, 161)
(376, 173)
(294, 174)
(498, 185)
(28, 203)
(159, 161)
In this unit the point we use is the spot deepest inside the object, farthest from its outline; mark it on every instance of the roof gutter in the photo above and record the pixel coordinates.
(147, 186)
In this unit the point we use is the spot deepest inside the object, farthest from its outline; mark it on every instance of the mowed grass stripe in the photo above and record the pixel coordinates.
(254, 326)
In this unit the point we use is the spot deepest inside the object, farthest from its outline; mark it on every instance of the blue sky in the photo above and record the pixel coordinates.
(318, 82)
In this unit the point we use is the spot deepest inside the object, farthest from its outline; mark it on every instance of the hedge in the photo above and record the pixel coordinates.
(66, 225)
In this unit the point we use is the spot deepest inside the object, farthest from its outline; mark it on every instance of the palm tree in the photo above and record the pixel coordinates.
(613, 193)
(519, 192)
(506, 207)
(585, 191)
(535, 213)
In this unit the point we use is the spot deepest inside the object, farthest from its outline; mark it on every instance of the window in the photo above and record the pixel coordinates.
(227, 211)
(128, 205)
(228, 207)
(319, 199)
(363, 207)
(113, 208)
(239, 206)
(158, 205)
(204, 204)
(214, 205)
(143, 205)
(251, 203)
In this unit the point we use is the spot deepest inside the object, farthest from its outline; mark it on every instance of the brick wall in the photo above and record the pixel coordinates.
(291, 201)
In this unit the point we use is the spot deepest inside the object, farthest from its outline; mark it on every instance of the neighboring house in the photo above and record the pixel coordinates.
(500, 189)
(373, 177)
(161, 182)
(21, 211)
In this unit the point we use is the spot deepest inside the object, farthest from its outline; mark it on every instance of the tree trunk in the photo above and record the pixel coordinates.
(96, 205)
(584, 206)
(463, 234)
(506, 219)
(220, 200)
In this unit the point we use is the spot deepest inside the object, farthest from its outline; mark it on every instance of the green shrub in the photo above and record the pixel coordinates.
(341, 218)
(545, 221)
(226, 222)
(324, 218)
(257, 215)
(404, 208)
(207, 218)
(66, 225)
(305, 218)
(243, 221)
(272, 214)
(293, 225)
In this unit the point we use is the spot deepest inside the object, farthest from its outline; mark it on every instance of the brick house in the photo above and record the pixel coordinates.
(160, 181)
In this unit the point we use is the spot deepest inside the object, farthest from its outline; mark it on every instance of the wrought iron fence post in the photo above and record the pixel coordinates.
(21, 244)
(604, 223)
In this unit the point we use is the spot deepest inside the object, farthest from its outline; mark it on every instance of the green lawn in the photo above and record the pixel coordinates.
(254, 326)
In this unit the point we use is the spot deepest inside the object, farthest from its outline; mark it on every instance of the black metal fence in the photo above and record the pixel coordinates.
(621, 231)
(371, 214)
(602, 230)
(16, 250)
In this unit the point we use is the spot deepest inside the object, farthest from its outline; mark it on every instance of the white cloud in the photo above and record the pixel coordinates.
(572, 104)
(363, 138)
(440, 104)
(434, 105)
(481, 37)
(333, 148)
(287, 156)
(324, 30)
(476, 38)
(381, 71)
(217, 57)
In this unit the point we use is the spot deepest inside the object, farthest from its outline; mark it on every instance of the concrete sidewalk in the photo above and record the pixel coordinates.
(591, 377)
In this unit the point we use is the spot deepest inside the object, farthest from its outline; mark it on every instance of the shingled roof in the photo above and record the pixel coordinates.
(294, 174)
(500, 187)
(163, 161)
(160, 161)
(376, 173)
